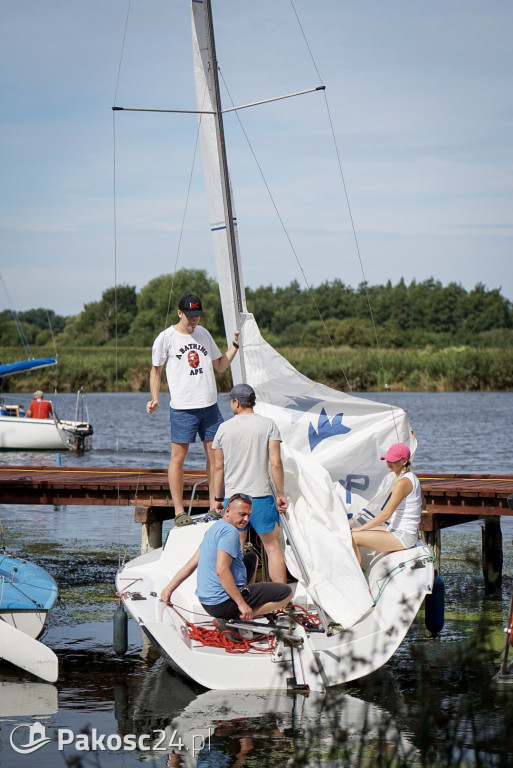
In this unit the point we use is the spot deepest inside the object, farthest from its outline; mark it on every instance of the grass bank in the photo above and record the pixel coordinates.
(466, 369)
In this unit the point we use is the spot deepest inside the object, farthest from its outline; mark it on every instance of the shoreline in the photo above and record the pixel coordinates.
(127, 369)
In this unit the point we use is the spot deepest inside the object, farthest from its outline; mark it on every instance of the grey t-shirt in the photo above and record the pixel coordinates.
(244, 441)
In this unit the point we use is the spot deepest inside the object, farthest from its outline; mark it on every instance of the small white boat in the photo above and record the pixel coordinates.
(331, 447)
(27, 594)
(308, 651)
(18, 433)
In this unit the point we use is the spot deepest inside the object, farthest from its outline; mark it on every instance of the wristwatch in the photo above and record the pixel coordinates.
(216, 498)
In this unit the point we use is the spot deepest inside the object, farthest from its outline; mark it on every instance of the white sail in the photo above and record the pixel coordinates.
(332, 442)
(224, 232)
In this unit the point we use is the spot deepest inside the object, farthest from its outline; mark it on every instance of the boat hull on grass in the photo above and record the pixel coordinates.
(398, 583)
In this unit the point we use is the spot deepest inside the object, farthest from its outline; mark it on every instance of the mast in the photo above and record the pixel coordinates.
(217, 180)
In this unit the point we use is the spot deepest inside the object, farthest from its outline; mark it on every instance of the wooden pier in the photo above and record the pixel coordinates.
(451, 499)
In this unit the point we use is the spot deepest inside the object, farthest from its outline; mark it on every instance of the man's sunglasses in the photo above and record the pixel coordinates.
(242, 497)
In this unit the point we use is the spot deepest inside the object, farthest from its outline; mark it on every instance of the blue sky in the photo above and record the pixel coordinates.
(421, 99)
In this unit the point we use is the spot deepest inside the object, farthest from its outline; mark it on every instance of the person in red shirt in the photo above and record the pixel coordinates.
(39, 408)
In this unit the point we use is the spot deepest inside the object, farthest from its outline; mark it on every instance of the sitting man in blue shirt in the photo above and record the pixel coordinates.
(226, 587)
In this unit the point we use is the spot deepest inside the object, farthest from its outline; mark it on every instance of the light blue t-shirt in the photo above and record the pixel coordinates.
(223, 536)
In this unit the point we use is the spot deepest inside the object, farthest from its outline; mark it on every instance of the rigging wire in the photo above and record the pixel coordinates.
(55, 349)
(123, 548)
(287, 235)
(116, 351)
(353, 228)
(185, 210)
(17, 322)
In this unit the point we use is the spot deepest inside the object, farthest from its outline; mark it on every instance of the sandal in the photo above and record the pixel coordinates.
(212, 514)
(183, 519)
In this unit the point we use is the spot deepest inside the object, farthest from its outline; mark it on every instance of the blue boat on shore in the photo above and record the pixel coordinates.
(27, 594)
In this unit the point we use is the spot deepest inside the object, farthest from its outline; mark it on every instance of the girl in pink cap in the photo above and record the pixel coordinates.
(397, 525)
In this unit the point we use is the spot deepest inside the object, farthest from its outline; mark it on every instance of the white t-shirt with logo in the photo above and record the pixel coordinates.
(188, 359)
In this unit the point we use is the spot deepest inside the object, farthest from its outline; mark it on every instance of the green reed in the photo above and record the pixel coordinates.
(103, 369)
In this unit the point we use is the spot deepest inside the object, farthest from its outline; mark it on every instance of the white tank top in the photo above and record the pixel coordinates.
(407, 515)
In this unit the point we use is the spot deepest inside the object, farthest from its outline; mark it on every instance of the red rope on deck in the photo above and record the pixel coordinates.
(216, 639)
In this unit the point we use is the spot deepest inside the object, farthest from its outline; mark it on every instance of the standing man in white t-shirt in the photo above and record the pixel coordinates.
(244, 449)
(190, 355)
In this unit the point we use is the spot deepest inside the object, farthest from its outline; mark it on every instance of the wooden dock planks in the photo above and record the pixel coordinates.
(446, 494)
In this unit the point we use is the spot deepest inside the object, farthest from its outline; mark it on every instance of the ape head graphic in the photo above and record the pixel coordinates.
(193, 358)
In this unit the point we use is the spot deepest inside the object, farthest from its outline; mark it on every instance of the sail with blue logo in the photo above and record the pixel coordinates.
(332, 441)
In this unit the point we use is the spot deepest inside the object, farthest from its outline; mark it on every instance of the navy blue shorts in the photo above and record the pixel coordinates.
(186, 424)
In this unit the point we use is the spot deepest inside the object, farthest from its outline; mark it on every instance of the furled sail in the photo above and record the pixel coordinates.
(332, 442)
(223, 222)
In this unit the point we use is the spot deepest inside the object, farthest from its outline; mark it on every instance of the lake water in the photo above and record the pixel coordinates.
(432, 700)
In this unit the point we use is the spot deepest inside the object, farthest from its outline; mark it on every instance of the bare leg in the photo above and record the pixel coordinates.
(271, 542)
(377, 539)
(209, 453)
(243, 536)
(175, 475)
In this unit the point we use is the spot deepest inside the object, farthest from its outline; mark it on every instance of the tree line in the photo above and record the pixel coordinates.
(401, 316)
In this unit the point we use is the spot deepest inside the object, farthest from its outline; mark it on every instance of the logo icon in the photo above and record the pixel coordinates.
(326, 428)
(36, 738)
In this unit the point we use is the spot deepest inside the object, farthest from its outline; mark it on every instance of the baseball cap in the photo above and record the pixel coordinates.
(190, 305)
(242, 392)
(397, 451)
(38, 393)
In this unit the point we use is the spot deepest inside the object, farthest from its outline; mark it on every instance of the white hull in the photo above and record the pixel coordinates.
(39, 434)
(28, 654)
(398, 583)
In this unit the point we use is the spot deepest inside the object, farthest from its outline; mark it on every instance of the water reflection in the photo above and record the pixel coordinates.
(216, 728)
(26, 698)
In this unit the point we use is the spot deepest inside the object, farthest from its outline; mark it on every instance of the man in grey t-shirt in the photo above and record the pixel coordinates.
(243, 449)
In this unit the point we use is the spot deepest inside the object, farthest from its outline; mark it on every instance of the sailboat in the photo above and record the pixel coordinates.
(346, 623)
(18, 433)
(27, 594)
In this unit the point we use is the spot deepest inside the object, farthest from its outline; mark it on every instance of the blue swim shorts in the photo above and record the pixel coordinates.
(186, 424)
(264, 514)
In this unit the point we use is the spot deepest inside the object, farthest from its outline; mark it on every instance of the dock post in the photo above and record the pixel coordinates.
(434, 539)
(151, 528)
(492, 557)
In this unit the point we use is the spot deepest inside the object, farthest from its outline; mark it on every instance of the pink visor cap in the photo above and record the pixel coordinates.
(397, 451)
